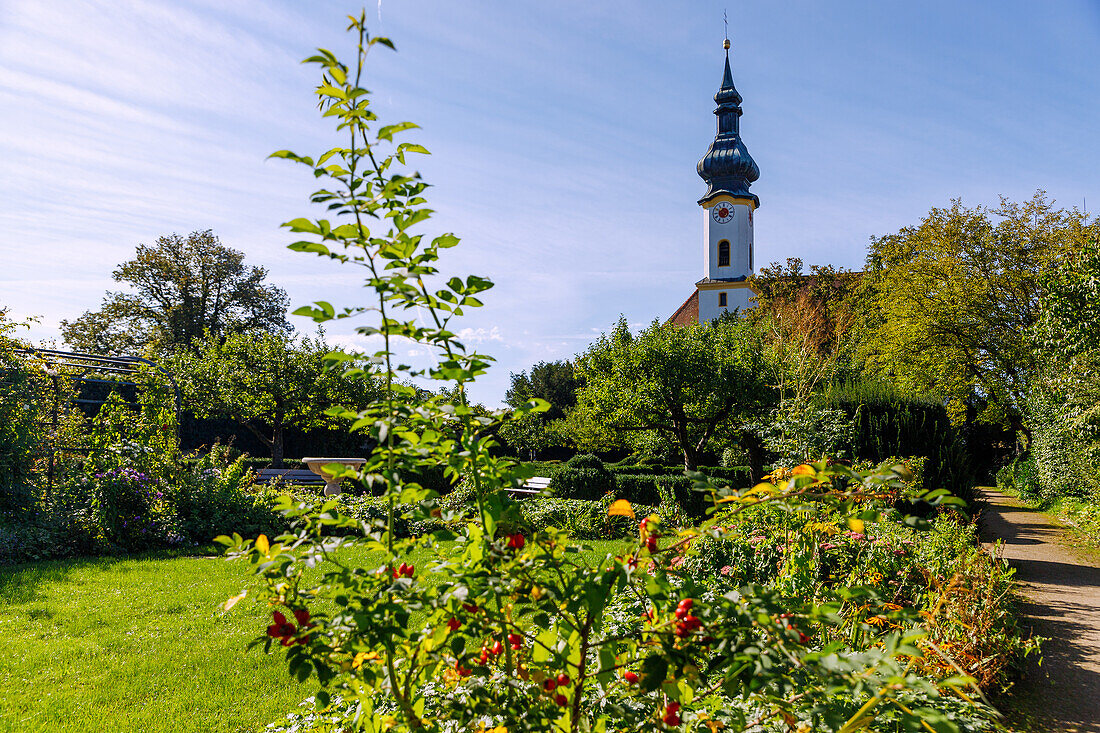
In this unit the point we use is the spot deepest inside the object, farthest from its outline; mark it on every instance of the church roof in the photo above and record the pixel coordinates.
(687, 314)
(727, 166)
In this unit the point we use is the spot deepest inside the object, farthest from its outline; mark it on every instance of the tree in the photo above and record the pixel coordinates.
(1063, 409)
(806, 320)
(949, 303)
(182, 289)
(267, 383)
(684, 383)
(553, 381)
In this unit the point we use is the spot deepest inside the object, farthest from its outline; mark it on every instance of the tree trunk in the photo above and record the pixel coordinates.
(277, 447)
(691, 458)
(754, 446)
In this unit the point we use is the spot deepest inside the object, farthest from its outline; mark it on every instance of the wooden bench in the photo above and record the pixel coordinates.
(289, 476)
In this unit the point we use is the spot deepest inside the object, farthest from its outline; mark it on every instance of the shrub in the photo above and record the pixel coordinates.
(889, 423)
(637, 489)
(132, 512)
(217, 496)
(582, 477)
(585, 520)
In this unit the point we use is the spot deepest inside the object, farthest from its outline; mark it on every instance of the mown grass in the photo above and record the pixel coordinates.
(138, 644)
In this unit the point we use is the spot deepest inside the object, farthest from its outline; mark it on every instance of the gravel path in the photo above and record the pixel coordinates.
(1062, 602)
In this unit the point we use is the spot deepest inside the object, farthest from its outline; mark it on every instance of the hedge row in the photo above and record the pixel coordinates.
(588, 478)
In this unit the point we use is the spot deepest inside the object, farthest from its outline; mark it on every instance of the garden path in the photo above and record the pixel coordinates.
(1061, 593)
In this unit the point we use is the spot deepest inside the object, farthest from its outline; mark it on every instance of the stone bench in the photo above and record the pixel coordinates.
(289, 476)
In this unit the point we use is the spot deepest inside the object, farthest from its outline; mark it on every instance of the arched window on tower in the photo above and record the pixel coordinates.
(721, 300)
(724, 253)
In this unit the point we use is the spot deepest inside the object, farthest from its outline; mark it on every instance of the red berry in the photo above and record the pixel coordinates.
(516, 541)
(560, 700)
(549, 685)
(409, 570)
(630, 677)
(484, 656)
(498, 648)
(563, 680)
(671, 719)
(672, 707)
(453, 624)
(651, 544)
(515, 640)
(680, 613)
(469, 607)
(685, 604)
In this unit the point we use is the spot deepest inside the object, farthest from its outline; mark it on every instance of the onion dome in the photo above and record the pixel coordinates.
(727, 166)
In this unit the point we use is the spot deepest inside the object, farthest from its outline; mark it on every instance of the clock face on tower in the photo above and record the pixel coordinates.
(722, 212)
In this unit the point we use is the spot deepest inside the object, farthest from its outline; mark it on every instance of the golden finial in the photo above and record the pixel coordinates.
(726, 44)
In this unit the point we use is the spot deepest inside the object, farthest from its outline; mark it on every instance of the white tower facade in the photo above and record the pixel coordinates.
(728, 210)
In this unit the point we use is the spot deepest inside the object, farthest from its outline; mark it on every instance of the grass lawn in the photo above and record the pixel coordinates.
(109, 644)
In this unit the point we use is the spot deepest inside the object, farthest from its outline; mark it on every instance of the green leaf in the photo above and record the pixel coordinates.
(654, 671)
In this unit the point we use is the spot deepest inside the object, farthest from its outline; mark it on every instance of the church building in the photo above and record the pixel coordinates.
(728, 206)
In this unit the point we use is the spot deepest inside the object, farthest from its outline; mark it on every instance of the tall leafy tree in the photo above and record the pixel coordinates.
(683, 383)
(180, 289)
(1063, 409)
(268, 383)
(553, 381)
(949, 303)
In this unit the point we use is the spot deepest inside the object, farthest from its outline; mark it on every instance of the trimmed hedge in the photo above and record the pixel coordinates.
(582, 477)
(585, 520)
(888, 423)
(586, 477)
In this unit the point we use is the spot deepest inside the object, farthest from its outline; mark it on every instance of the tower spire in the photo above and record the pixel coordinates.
(727, 167)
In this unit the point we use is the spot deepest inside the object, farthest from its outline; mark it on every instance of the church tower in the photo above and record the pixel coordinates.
(728, 206)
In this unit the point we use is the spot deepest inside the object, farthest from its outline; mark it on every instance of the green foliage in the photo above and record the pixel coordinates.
(949, 304)
(900, 574)
(553, 381)
(888, 423)
(583, 520)
(180, 289)
(584, 476)
(532, 434)
(531, 632)
(25, 401)
(1063, 408)
(800, 431)
(217, 496)
(267, 383)
(682, 383)
(130, 509)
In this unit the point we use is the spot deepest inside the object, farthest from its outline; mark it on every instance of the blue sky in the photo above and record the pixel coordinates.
(564, 138)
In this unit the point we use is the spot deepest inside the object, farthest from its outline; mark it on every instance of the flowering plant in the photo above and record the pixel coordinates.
(486, 629)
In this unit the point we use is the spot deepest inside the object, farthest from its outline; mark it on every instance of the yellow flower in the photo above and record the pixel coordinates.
(856, 525)
(621, 508)
(361, 657)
